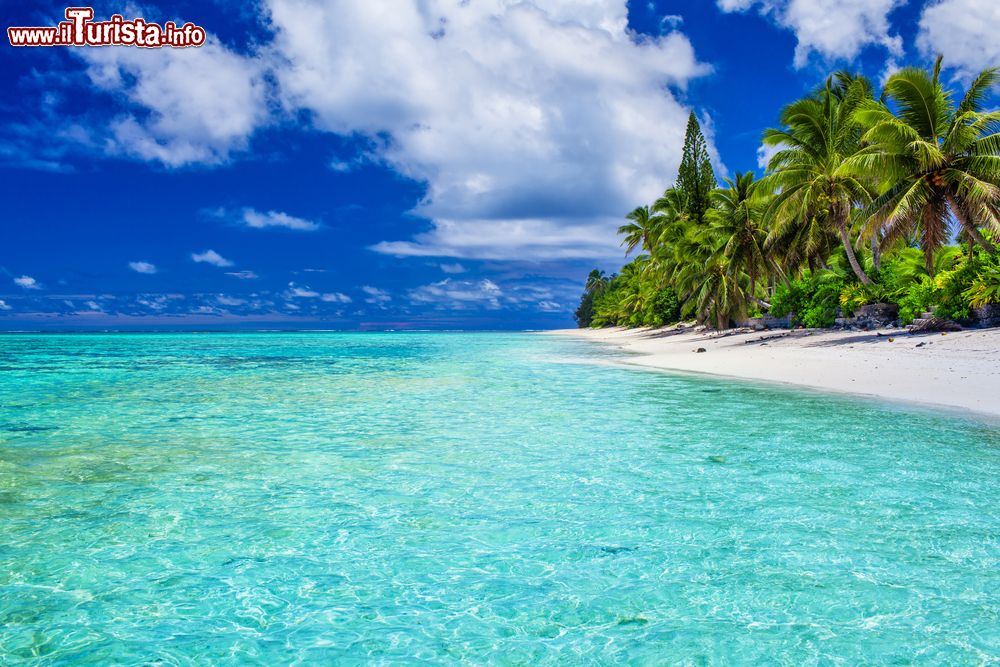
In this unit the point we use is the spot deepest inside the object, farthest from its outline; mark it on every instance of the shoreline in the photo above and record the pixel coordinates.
(956, 371)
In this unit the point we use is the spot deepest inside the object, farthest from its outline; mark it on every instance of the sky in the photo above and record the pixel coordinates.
(403, 164)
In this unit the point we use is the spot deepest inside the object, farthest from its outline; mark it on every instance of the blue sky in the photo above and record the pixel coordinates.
(433, 164)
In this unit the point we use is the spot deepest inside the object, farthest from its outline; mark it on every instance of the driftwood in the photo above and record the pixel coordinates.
(765, 338)
(933, 324)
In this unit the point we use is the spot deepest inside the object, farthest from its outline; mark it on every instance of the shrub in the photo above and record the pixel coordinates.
(855, 295)
(812, 299)
(985, 288)
(918, 298)
(663, 308)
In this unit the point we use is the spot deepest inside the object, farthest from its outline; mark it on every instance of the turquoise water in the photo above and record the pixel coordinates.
(474, 498)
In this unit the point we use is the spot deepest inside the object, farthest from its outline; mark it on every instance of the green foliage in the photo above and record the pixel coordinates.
(633, 299)
(597, 284)
(930, 159)
(696, 179)
(811, 300)
(918, 298)
(855, 295)
(985, 288)
(859, 202)
(664, 308)
(947, 294)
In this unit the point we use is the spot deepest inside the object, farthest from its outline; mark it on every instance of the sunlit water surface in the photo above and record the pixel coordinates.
(478, 498)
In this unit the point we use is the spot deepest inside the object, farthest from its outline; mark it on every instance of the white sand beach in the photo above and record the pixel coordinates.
(955, 370)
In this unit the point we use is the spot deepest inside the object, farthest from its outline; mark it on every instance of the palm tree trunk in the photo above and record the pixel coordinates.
(851, 257)
(876, 253)
(969, 227)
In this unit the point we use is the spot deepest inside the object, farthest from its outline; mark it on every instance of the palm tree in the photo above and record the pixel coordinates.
(642, 231)
(737, 217)
(597, 281)
(816, 137)
(720, 294)
(685, 264)
(933, 160)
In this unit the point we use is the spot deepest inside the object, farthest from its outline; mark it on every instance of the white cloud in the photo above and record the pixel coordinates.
(224, 300)
(457, 295)
(27, 282)
(258, 220)
(835, 29)
(142, 267)
(3, 305)
(202, 103)
(549, 306)
(243, 275)
(511, 239)
(211, 257)
(534, 118)
(453, 268)
(299, 292)
(296, 292)
(342, 166)
(158, 302)
(671, 21)
(765, 153)
(891, 67)
(376, 296)
(965, 31)
(536, 123)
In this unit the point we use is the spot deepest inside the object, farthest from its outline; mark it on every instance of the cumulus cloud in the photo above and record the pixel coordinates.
(211, 257)
(533, 125)
(195, 105)
(376, 296)
(534, 238)
(4, 306)
(27, 282)
(834, 29)
(538, 119)
(335, 297)
(453, 268)
(965, 31)
(457, 295)
(142, 267)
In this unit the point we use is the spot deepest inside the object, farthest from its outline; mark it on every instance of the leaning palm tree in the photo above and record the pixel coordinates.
(932, 159)
(816, 137)
(642, 231)
(737, 217)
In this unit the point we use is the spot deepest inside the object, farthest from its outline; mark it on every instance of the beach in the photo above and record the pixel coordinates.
(956, 370)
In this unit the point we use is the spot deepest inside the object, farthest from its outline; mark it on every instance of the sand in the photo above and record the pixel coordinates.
(957, 370)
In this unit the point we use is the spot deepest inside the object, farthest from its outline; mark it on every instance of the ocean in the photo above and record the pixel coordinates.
(474, 498)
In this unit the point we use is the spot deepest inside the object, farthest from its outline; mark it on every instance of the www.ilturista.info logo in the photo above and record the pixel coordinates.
(79, 29)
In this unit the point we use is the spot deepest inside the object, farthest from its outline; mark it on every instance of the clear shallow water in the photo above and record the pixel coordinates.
(478, 498)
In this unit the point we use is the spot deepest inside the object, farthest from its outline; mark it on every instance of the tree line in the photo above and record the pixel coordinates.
(893, 198)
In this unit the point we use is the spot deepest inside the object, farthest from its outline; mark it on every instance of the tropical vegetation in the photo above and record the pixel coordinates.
(889, 197)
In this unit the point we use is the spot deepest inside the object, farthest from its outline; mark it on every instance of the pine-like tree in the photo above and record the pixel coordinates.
(695, 177)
